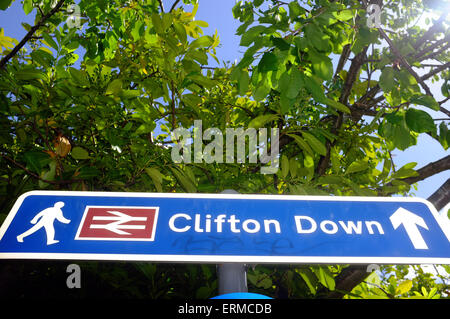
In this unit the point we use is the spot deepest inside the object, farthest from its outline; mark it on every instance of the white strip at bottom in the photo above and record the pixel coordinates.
(217, 259)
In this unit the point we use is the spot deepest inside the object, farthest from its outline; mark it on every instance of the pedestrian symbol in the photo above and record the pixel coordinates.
(45, 219)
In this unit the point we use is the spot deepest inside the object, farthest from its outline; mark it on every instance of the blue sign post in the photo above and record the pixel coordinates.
(221, 228)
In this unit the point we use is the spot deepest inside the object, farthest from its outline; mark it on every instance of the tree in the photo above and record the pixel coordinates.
(92, 108)
(346, 121)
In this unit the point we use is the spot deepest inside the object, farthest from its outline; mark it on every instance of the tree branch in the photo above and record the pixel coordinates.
(30, 33)
(344, 57)
(174, 5)
(433, 54)
(161, 5)
(350, 80)
(431, 30)
(444, 100)
(404, 62)
(368, 95)
(430, 48)
(444, 111)
(441, 197)
(353, 72)
(348, 279)
(429, 170)
(435, 71)
(32, 174)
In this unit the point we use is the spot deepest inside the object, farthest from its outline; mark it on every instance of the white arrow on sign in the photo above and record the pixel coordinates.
(118, 220)
(411, 222)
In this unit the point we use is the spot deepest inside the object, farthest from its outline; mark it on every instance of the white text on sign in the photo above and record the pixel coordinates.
(304, 225)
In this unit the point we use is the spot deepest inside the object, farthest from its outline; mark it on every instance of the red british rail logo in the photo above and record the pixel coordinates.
(118, 223)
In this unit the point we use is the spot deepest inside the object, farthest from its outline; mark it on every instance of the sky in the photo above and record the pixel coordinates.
(219, 16)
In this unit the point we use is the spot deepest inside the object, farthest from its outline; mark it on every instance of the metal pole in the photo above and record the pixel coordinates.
(232, 276)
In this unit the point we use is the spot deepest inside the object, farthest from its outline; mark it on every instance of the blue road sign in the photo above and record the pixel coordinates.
(217, 228)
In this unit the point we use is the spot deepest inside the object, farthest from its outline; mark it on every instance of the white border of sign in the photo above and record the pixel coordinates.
(443, 223)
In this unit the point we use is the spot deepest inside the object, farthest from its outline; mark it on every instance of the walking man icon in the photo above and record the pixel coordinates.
(45, 219)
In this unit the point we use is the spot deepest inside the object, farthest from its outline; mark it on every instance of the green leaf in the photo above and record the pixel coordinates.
(138, 30)
(316, 145)
(27, 6)
(401, 137)
(301, 142)
(243, 82)
(180, 30)
(404, 287)
(202, 80)
(294, 83)
(395, 118)
(49, 41)
(80, 77)
(36, 161)
(202, 42)
(364, 37)
(251, 34)
(281, 44)
(156, 177)
(344, 15)
(262, 120)
(293, 166)
(268, 63)
(48, 175)
(427, 101)
(295, 10)
(313, 87)
(167, 20)
(79, 153)
(406, 171)
(444, 135)
(419, 121)
(43, 57)
(337, 105)
(157, 23)
(331, 179)
(114, 87)
(357, 166)
(397, 134)
(260, 280)
(286, 104)
(387, 165)
(405, 174)
(284, 166)
(4, 4)
(325, 277)
(316, 37)
(387, 80)
(408, 166)
(198, 56)
(309, 278)
(201, 23)
(30, 74)
(130, 94)
(322, 66)
(191, 99)
(261, 91)
(406, 79)
(88, 172)
(184, 181)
